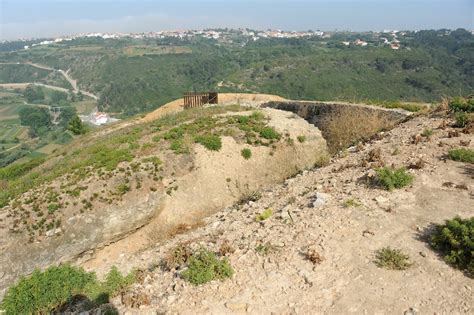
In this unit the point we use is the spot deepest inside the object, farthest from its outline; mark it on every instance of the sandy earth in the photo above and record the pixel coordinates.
(347, 281)
(222, 183)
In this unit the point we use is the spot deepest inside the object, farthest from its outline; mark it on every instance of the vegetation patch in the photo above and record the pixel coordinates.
(393, 259)
(455, 241)
(301, 139)
(461, 104)
(264, 215)
(462, 155)
(210, 142)
(46, 291)
(246, 153)
(390, 178)
(344, 127)
(205, 266)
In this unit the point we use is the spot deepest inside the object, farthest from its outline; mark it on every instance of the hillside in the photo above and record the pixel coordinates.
(316, 252)
(134, 76)
(100, 188)
(221, 209)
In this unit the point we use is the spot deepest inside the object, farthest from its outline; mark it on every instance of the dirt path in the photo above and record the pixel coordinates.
(346, 281)
(65, 74)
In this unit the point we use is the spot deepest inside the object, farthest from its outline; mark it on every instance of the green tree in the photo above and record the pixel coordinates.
(37, 118)
(66, 115)
(33, 94)
(57, 96)
(77, 126)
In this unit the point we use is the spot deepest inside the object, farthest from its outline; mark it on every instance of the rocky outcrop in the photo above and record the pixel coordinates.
(192, 188)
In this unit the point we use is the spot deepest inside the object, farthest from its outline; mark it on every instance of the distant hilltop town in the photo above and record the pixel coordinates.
(387, 37)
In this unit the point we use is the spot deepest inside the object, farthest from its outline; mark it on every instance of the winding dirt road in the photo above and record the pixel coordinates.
(65, 74)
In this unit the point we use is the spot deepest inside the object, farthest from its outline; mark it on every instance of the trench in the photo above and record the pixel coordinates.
(343, 124)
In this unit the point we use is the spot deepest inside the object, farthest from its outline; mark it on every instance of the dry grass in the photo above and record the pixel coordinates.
(313, 256)
(345, 126)
(226, 248)
(177, 256)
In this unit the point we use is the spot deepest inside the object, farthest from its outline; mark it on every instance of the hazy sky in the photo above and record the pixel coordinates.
(43, 18)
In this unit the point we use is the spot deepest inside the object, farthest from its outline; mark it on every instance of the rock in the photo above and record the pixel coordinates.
(381, 201)
(58, 231)
(236, 306)
(71, 220)
(321, 200)
(50, 233)
(411, 311)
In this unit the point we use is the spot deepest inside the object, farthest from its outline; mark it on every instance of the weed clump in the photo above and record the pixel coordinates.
(177, 257)
(393, 259)
(455, 241)
(462, 155)
(269, 133)
(264, 215)
(301, 139)
(210, 142)
(246, 153)
(205, 266)
(390, 179)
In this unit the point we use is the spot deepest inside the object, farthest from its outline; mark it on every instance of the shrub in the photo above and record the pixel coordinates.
(177, 145)
(44, 291)
(428, 132)
(177, 256)
(264, 215)
(122, 189)
(390, 179)
(301, 139)
(246, 153)
(393, 259)
(462, 155)
(204, 266)
(269, 133)
(461, 119)
(461, 104)
(455, 240)
(210, 142)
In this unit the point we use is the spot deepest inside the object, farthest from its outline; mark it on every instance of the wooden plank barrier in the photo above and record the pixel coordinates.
(198, 99)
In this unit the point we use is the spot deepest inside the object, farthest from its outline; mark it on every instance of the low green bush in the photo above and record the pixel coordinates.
(210, 142)
(301, 139)
(269, 133)
(455, 241)
(45, 291)
(393, 259)
(264, 215)
(246, 153)
(205, 266)
(462, 155)
(461, 104)
(390, 179)
(461, 119)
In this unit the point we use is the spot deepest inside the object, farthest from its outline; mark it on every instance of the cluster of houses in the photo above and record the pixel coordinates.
(227, 35)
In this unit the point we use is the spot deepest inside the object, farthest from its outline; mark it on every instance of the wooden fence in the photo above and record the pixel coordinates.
(194, 99)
